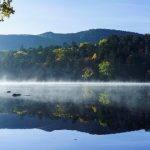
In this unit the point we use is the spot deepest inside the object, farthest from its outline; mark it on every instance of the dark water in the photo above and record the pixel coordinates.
(74, 116)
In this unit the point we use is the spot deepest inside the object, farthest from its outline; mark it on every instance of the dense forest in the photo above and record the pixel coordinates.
(116, 58)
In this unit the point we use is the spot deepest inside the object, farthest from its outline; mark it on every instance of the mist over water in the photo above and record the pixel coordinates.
(91, 107)
(120, 92)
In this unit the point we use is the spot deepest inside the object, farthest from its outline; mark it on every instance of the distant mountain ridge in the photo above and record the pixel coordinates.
(15, 42)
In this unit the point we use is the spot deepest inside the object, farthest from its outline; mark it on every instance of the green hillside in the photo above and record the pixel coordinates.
(15, 42)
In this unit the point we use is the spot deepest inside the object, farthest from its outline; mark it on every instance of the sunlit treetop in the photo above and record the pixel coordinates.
(5, 9)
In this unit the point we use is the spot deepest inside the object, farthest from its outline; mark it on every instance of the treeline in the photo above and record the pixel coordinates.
(115, 58)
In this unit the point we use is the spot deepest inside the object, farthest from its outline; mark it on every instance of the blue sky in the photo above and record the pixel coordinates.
(65, 16)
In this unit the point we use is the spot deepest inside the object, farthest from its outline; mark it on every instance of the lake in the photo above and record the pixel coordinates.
(74, 115)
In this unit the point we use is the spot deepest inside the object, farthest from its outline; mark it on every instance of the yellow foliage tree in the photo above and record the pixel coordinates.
(94, 56)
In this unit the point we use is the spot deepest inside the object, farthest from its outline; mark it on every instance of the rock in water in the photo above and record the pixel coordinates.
(15, 95)
(27, 95)
(8, 91)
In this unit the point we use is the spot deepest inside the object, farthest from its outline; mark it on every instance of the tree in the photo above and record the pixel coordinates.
(103, 41)
(59, 54)
(6, 9)
(85, 45)
(105, 69)
(88, 73)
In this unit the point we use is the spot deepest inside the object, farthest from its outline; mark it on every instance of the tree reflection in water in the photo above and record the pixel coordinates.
(101, 111)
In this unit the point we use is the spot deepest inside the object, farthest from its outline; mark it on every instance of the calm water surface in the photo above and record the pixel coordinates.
(74, 116)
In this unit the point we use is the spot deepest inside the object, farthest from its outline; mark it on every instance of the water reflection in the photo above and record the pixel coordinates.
(91, 109)
(36, 139)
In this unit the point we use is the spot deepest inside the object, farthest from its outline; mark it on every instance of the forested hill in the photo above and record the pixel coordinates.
(124, 58)
(91, 36)
(15, 42)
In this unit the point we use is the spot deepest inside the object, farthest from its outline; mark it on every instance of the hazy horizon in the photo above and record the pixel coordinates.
(70, 32)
